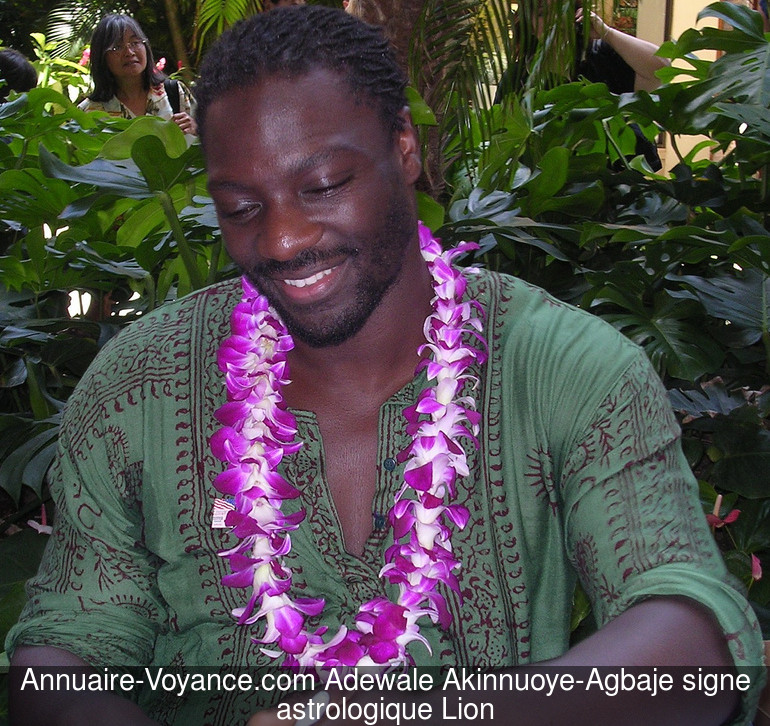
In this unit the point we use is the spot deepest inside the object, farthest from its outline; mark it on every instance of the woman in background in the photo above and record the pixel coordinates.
(126, 82)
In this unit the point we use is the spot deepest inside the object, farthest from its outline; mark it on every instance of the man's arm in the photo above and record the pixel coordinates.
(638, 53)
(660, 632)
(29, 707)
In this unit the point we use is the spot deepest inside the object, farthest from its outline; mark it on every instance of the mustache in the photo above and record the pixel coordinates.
(306, 258)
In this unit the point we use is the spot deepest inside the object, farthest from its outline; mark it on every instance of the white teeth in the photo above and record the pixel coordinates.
(309, 280)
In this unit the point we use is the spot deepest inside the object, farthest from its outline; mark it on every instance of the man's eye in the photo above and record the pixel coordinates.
(328, 188)
(241, 213)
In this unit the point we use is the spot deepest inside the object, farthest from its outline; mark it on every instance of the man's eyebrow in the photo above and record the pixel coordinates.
(321, 157)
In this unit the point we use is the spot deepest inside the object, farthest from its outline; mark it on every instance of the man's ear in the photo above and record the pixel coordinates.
(409, 147)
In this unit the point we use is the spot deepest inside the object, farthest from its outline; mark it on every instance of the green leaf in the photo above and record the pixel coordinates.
(28, 464)
(552, 177)
(706, 401)
(742, 300)
(668, 329)
(14, 375)
(160, 171)
(20, 554)
(429, 211)
(170, 135)
(149, 216)
(744, 467)
(741, 18)
(751, 530)
(28, 197)
(117, 177)
(37, 397)
(420, 111)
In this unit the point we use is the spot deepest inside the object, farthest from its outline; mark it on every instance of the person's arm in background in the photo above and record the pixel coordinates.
(29, 707)
(185, 119)
(638, 53)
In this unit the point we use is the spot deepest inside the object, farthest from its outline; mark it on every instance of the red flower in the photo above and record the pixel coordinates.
(756, 568)
(715, 520)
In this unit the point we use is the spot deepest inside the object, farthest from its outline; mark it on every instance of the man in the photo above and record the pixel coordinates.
(539, 434)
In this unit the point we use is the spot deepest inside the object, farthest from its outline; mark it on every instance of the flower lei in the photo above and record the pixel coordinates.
(258, 431)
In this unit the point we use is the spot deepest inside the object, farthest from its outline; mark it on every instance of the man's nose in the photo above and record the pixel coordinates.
(287, 231)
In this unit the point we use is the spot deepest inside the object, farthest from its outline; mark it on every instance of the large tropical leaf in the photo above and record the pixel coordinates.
(709, 400)
(29, 197)
(116, 177)
(26, 453)
(719, 98)
(666, 328)
(744, 463)
(20, 555)
(742, 301)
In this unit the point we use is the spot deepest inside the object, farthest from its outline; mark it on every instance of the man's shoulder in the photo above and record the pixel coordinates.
(521, 303)
(193, 325)
(181, 317)
(525, 321)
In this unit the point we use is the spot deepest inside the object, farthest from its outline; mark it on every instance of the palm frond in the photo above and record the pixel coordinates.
(462, 50)
(71, 22)
(215, 16)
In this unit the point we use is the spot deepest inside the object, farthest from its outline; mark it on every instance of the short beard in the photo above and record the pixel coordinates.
(383, 255)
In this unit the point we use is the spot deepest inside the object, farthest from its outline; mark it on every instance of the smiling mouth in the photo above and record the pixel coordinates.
(305, 281)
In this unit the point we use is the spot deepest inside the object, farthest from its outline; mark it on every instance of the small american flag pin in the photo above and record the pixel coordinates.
(219, 512)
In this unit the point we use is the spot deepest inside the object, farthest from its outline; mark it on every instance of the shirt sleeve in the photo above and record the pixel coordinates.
(603, 64)
(95, 593)
(634, 524)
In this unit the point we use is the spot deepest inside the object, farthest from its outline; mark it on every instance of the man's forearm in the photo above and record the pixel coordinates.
(30, 707)
(661, 632)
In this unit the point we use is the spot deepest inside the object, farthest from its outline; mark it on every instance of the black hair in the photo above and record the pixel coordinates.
(110, 32)
(16, 73)
(293, 41)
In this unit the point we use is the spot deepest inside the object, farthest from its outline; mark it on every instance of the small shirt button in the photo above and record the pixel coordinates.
(389, 464)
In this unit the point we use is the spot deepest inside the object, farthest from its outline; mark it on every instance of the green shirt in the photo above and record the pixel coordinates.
(579, 474)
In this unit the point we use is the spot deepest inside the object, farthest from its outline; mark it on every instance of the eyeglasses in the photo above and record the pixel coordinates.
(134, 46)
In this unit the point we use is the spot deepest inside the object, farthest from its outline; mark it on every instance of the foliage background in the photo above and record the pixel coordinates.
(546, 183)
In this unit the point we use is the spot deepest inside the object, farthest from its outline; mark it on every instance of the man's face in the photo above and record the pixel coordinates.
(314, 198)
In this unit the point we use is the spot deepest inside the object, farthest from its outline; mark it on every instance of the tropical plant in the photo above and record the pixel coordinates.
(679, 262)
(58, 71)
(95, 207)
